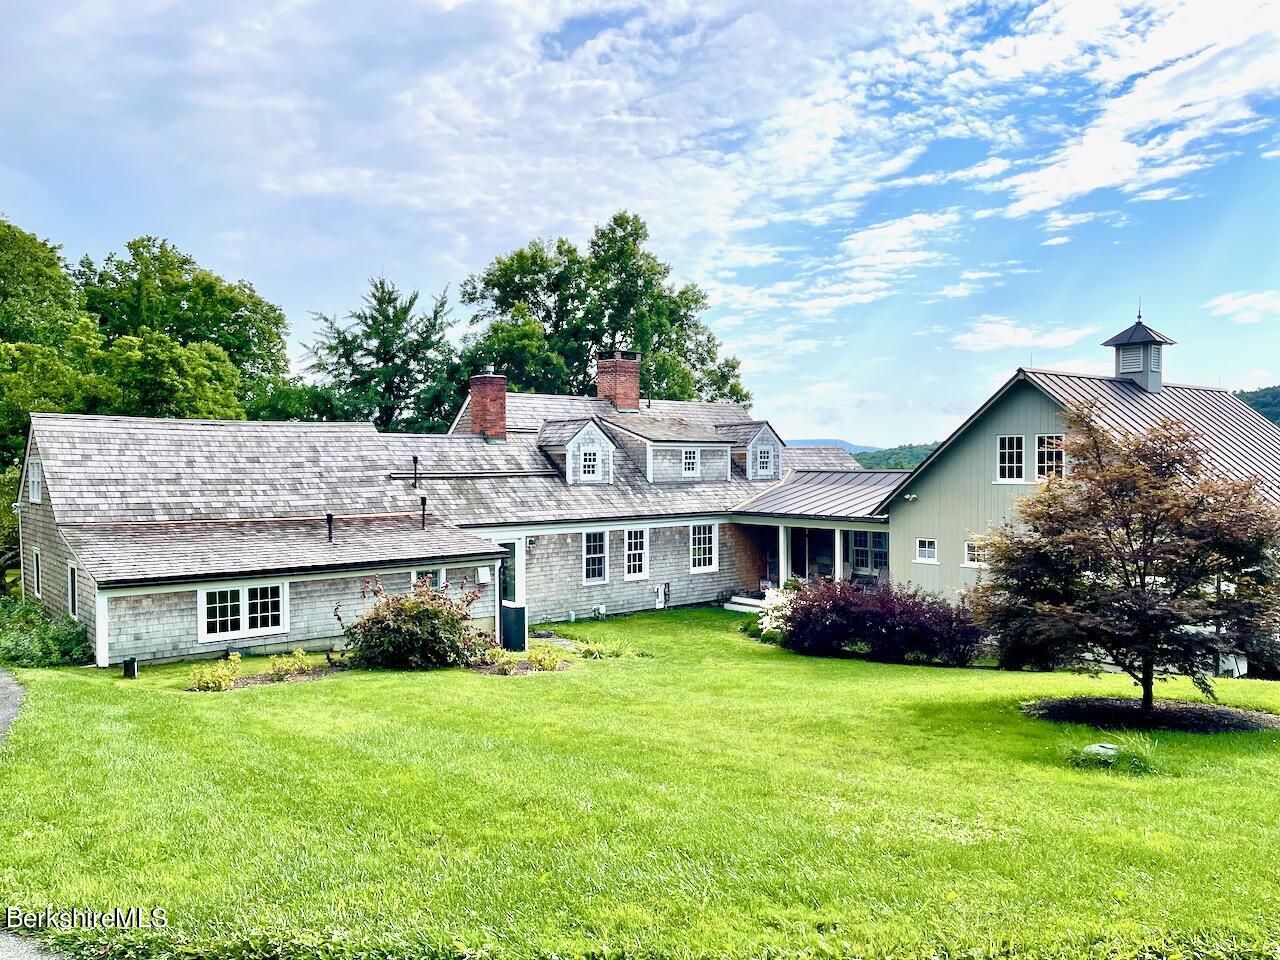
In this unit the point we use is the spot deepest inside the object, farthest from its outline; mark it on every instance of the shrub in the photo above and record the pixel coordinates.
(486, 654)
(606, 650)
(29, 638)
(282, 667)
(545, 657)
(507, 663)
(216, 674)
(888, 623)
(420, 630)
(777, 604)
(1125, 753)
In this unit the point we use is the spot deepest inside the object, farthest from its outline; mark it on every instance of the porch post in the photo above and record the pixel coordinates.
(837, 564)
(783, 556)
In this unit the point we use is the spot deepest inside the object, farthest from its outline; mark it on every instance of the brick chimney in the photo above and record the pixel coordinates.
(618, 380)
(489, 405)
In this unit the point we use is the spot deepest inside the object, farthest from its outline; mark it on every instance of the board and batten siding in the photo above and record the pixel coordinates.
(957, 496)
(163, 625)
(554, 567)
(39, 531)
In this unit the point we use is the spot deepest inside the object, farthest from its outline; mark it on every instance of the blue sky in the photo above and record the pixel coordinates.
(892, 205)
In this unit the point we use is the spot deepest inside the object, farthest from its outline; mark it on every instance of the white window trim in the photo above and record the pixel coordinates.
(765, 470)
(37, 574)
(595, 475)
(715, 548)
(1041, 478)
(244, 633)
(1022, 476)
(595, 583)
(441, 572)
(697, 462)
(926, 560)
(35, 481)
(71, 574)
(964, 557)
(625, 554)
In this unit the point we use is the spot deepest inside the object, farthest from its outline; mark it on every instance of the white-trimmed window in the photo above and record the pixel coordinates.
(37, 578)
(35, 481)
(926, 550)
(595, 557)
(73, 592)
(690, 462)
(1049, 457)
(1130, 359)
(241, 611)
(973, 555)
(435, 577)
(704, 548)
(764, 461)
(589, 464)
(1009, 450)
(637, 554)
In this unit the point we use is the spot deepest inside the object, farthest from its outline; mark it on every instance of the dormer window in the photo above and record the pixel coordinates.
(590, 465)
(764, 461)
(690, 462)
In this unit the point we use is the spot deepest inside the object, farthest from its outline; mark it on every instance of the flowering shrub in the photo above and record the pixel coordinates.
(419, 630)
(895, 624)
(777, 606)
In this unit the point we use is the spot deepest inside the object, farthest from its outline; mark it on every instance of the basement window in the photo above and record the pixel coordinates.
(236, 612)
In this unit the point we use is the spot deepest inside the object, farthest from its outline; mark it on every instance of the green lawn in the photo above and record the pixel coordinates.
(722, 797)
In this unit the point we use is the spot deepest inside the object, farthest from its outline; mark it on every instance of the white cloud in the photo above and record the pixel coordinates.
(1246, 307)
(1055, 241)
(953, 290)
(990, 332)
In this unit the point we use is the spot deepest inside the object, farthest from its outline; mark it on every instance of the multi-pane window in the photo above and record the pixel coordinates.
(637, 554)
(595, 567)
(36, 577)
(1009, 458)
(927, 550)
(73, 593)
(590, 464)
(252, 610)
(35, 481)
(702, 546)
(861, 550)
(1049, 459)
(434, 578)
(764, 461)
(264, 607)
(221, 611)
(880, 551)
(689, 461)
(973, 555)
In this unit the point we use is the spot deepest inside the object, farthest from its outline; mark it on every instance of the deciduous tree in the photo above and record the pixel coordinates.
(1142, 555)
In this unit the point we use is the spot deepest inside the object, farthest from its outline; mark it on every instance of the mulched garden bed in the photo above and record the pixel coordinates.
(1124, 713)
(522, 668)
(266, 680)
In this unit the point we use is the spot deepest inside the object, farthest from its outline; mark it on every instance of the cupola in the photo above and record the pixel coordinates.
(1138, 355)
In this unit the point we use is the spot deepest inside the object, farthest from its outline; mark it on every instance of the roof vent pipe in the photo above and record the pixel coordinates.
(424, 512)
(328, 519)
(415, 471)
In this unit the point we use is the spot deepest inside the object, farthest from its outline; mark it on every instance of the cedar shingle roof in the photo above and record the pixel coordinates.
(740, 433)
(665, 429)
(556, 433)
(819, 458)
(527, 411)
(123, 554)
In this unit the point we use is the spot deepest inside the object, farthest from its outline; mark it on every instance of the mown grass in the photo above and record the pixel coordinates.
(719, 797)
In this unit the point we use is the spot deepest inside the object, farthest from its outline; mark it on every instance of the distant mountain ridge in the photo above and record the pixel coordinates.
(902, 457)
(843, 444)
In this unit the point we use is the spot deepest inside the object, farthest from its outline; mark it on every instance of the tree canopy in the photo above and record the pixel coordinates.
(1141, 555)
(616, 296)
